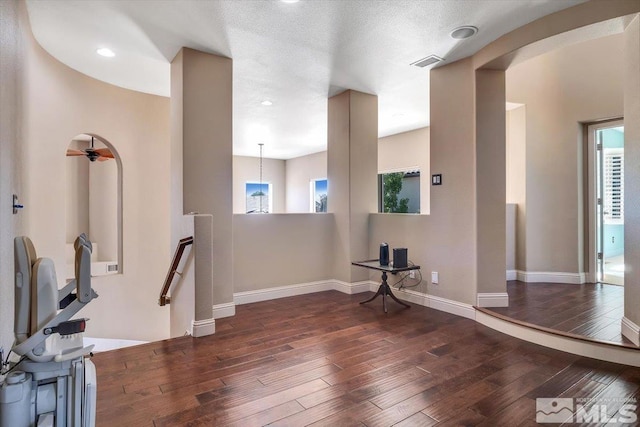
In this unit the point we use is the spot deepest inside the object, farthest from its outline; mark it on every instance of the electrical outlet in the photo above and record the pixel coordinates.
(412, 274)
(434, 277)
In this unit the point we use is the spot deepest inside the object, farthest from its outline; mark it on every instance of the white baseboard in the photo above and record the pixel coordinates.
(512, 275)
(267, 294)
(411, 296)
(437, 303)
(202, 328)
(227, 309)
(497, 299)
(550, 277)
(451, 306)
(355, 287)
(631, 331)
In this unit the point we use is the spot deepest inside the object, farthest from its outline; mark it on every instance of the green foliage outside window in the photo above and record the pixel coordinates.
(392, 185)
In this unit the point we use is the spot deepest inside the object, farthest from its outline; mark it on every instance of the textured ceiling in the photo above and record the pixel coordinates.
(295, 55)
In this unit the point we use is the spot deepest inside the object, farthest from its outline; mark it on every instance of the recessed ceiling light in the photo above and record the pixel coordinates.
(464, 32)
(106, 52)
(289, 1)
(266, 102)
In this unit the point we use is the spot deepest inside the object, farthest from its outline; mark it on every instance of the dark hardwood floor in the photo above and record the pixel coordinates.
(323, 359)
(593, 311)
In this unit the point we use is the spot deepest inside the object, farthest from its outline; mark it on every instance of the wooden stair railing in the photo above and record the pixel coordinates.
(182, 244)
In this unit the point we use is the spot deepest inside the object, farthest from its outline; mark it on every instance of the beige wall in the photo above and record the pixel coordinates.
(516, 166)
(632, 172)
(59, 104)
(103, 208)
(247, 169)
(204, 123)
(490, 142)
(137, 124)
(77, 206)
(408, 151)
(403, 151)
(300, 171)
(561, 28)
(561, 89)
(352, 163)
(183, 293)
(11, 72)
(92, 202)
(282, 249)
(511, 236)
(443, 241)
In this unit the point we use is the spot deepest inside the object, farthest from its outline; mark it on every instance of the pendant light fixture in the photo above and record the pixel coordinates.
(260, 190)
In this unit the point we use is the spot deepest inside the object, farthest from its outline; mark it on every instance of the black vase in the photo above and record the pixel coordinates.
(384, 254)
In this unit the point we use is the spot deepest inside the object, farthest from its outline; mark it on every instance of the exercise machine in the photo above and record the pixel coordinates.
(54, 383)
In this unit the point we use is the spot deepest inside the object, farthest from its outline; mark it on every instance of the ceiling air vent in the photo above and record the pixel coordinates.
(429, 60)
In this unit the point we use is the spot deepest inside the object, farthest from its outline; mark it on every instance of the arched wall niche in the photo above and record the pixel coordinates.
(94, 202)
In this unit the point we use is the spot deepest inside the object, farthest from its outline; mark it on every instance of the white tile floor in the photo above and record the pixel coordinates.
(614, 270)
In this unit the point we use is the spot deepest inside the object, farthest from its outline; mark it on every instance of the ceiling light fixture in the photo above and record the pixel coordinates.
(464, 32)
(106, 52)
(289, 1)
(266, 102)
(261, 192)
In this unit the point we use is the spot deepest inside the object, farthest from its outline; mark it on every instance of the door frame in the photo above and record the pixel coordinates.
(590, 129)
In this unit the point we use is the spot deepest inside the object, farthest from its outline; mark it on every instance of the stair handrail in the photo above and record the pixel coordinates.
(177, 256)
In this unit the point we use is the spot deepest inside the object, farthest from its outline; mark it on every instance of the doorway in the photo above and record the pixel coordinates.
(606, 149)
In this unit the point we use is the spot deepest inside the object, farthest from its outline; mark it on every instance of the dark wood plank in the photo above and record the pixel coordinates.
(293, 362)
(417, 420)
(591, 311)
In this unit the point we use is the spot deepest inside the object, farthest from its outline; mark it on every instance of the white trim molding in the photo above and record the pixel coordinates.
(437, 303)
(551, 277)
(267, 294)
(431, 301)
(630, 331)
(610, 353)
(248, 297)
(451, 306)
(512, 275)
(497, 299)
(202, 328)
(228, 309)
(355, 287)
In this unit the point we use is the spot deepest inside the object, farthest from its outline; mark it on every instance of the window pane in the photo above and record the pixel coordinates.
(399, 192)
(320, 195)
(258, 197)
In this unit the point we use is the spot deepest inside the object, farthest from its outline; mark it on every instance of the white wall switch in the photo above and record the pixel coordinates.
(434, 277)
